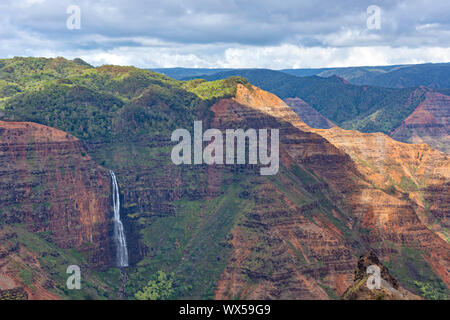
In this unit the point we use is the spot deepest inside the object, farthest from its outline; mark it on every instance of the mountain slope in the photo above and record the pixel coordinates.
(428, 123)
(433, 75)
(54, 212)
(226, 231)
(389, 287)
(363, 108)
(429, 75)
(183, 73)
(308, 114)
(369, 204)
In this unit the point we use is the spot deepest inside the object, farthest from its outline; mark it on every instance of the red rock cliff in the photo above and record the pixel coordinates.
(49, 183)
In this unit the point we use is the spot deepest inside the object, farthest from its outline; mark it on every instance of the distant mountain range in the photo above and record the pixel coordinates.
(433, 75)
(188, 73)
(400, 76)
(363, 107)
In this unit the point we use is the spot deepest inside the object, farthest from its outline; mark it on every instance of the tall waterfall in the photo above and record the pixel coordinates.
(119, 233)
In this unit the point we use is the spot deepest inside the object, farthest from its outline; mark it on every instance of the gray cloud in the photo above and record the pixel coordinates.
(219, 33)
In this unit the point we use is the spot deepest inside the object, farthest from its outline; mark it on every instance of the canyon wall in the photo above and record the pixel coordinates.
(356, 178)
(50, 184)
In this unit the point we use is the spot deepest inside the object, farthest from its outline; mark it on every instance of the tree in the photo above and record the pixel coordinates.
(158, 288)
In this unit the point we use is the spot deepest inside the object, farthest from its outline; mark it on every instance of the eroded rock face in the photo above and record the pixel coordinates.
(396, 167)
(388, 288)
(280, 252)
(49, 183)
(287, 244)
(436, 196)
(301, 232)
(21, 275)
(352, 171)
(411, 178)
(429, 123)
(308, 114)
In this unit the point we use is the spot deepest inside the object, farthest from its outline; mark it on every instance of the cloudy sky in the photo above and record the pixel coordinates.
(229, 33)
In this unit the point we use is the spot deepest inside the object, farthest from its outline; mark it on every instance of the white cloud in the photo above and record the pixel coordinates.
(274, 57)
(229, 33)
(290, 56)
(29, 3)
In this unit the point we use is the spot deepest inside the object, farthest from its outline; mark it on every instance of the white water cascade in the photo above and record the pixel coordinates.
(119, 233)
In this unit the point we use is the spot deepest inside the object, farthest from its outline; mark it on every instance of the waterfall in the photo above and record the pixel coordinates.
(119, 233)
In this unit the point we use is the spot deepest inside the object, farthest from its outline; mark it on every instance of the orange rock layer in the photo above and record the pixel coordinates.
(378, 184)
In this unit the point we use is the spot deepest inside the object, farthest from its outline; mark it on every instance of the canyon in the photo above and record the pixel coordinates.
(224, 231)
(391, 222)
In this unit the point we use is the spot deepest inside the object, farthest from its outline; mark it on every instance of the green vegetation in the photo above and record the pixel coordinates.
(433, 291)
(194, 245)
(215, 89)
(95, 104)
(364, 108)
(81, 111)
(126, 109)
(26, 276)
(407, 184)
(53, 262)
(181, 221)
(305, 177)
(433, 75)
(158, 288)
(416, 275)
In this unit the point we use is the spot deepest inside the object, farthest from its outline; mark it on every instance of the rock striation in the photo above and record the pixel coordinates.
(50, 184)
(308, 114)
(351, 170)
(428, 123)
